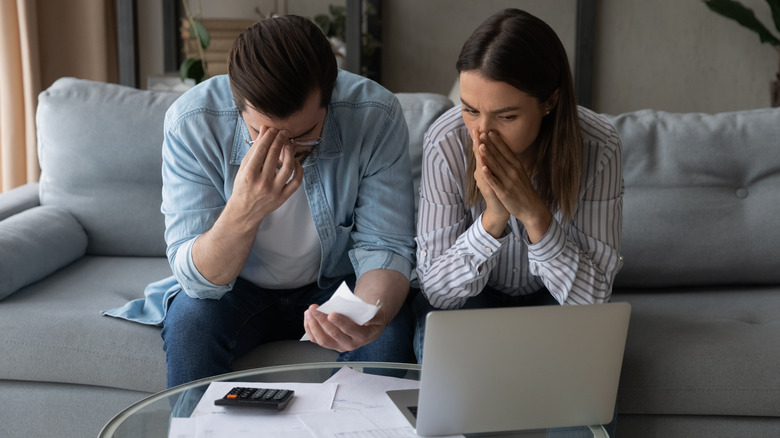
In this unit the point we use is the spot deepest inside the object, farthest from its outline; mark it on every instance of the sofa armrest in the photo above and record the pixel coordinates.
(18, 200)
(35, 243)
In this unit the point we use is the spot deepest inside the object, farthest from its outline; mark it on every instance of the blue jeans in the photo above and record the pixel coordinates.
(201, 337)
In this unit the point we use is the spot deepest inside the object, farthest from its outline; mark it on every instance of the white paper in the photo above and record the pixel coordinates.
(358, 390)
(346, 303)
(353, 425)
(362, 408)
(350, 404)
(247, 426)
(182, 428)
(212, 421)
(228, 426)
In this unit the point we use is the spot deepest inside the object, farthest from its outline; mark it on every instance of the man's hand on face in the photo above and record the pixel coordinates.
(269, 174)
(338, 332)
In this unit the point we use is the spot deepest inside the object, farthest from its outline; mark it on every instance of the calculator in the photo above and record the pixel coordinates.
(257, 398)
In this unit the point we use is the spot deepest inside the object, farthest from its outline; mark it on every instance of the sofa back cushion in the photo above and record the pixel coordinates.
(702, 198)
(99, 147)
(420, 111)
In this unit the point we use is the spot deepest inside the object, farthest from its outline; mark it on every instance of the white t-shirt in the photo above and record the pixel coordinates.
(286, 253)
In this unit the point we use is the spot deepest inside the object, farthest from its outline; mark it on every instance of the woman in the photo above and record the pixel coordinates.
(521, 190)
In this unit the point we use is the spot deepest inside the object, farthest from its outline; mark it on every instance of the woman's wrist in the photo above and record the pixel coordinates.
(494, 224)
(536, 225)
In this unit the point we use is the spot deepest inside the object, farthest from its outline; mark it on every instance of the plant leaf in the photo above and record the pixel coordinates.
(192, 68)
(774, 5)
(339, 26)
(323, 21)
(200, 33)
(744, 16)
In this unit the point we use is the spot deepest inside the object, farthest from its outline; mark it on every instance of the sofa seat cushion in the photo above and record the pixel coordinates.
(54, 331)
(691, 426)
(710, 351)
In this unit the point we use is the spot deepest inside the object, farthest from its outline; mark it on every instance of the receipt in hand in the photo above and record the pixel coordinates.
(346, 303)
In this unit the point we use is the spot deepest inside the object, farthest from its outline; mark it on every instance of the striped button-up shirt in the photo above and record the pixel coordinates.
(576, 261)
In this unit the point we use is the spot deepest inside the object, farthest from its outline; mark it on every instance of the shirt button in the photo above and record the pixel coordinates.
(517, 238)
(515, 270)
(488, 249)
(424, 253)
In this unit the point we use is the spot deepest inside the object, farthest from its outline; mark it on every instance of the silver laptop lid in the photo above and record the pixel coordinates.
(519, 368)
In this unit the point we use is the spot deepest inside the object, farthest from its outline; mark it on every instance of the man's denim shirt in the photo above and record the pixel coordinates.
(358, 183)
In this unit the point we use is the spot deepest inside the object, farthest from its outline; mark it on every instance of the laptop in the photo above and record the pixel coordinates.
(518, 368)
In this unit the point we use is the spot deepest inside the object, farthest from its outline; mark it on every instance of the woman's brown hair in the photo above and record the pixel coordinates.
(514, 47)
(277, 63)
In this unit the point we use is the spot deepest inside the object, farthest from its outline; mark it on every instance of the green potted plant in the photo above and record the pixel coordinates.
(193, 68)
(746, 17)
(333, 25)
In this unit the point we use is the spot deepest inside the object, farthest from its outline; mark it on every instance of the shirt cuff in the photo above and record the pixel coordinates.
(192, 281)
(549, 246)
(481, 243)
(364, 260)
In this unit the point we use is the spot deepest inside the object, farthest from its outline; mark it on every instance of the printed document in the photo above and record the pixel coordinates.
(350, 404)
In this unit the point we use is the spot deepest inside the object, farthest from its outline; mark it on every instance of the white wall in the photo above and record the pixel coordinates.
(244, 9)
(422, 38)
(150, 39)
(678, 56)
(672, 55)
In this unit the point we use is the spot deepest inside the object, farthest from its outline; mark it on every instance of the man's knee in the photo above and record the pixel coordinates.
(190, 319)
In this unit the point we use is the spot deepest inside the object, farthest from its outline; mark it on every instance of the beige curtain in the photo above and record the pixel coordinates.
(41, 41)
(19, 85)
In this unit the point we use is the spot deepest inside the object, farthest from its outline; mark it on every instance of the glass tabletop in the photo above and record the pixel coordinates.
(152, 416)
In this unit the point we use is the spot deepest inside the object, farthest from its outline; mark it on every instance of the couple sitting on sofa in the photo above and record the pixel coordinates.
(520, 199)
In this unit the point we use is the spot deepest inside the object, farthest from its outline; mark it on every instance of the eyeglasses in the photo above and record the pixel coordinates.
(304, 142)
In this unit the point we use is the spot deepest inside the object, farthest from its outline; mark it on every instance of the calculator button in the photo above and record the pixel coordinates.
(256, 397)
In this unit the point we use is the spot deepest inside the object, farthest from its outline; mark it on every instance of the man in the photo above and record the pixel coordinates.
(281, 180)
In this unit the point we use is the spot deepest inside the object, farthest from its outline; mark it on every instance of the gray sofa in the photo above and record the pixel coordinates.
(701, 248)
(700, 269)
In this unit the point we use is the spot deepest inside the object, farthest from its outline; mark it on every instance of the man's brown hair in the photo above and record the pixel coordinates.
(277, 63)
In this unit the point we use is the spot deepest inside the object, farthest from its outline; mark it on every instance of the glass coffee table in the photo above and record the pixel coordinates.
(153, 416)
